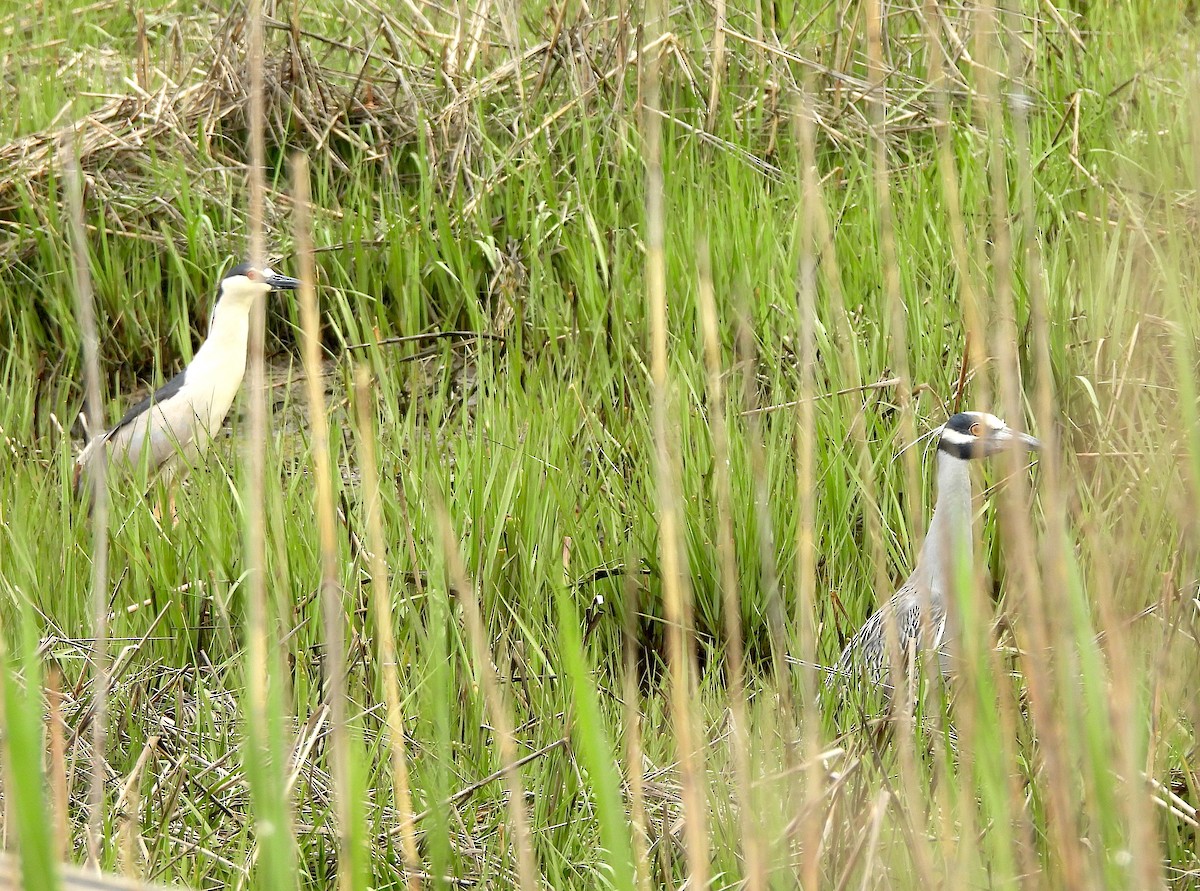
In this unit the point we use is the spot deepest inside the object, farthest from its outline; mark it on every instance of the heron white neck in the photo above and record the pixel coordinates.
(216, 371)
(228, 336)
(949, 537)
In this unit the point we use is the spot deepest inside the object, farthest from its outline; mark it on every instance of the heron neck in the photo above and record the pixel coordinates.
(949, 535)
(228, 335)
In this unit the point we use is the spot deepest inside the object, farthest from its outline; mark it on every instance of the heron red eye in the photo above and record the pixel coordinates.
(254, 275)
(976, 429)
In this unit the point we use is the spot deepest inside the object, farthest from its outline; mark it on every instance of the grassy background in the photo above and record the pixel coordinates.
(454, 188)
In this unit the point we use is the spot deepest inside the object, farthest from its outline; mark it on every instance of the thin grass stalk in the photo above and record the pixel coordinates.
(1183, 362)
(751, 836)
(129, 836)
(9, 776)
(902, 705)
(871, 515)
(1016, 506)
(97, 477)
(266, 761)
(493, 697)
(898, 347)
(24, 809)
(966, 706)
(845, 338)
(1184, 346)
(510, 17)
(873, 533)
(410, 542)
(827, 250)
(623, 32)
(976, 355)
(591, 745)
(805, 613)
(897, 311)
(823, 234)
(676, 591)
(760, 33)
(1183, 419)
(1016, 503)
(452, 52)
(777, 618)
(1144, 845)
(631, 696)
(386, 654)
(1138, 823)
(718, 64)
(776, 614)
(780, 674)
(479, 19)
(964, 262)
(1180, 304)
(877, 814)
(59, 792)
(352, 868)
(129, 803)
(1162, 664)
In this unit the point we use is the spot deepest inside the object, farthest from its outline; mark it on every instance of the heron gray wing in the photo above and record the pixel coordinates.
(162, 394)
(165, 428)
(866, 653)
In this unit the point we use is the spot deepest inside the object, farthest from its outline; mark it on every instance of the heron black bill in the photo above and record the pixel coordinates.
(280, 282)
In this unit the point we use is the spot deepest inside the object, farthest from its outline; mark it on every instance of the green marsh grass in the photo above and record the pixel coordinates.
(682, 388)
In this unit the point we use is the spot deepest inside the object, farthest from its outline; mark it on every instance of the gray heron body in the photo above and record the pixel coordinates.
(171, 428)
(965, 437)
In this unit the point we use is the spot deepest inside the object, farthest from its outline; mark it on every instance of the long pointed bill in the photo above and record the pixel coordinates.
(1010, 438)
(280, 282)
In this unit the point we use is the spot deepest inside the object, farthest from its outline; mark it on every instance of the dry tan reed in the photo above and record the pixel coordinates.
(922, 852)
(97, 481)
(1016, 514)
(805, 614)
(752, 833)
(263, 669)
(333, 610)
(632, 716)
(494, 699)
(384, 629)
(676, 587)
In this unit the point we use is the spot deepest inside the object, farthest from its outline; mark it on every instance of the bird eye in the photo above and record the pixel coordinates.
(976, 429)
(254, 275)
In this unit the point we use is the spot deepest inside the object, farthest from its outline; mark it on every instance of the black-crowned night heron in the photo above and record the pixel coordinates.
(170, 428)
(965, 437)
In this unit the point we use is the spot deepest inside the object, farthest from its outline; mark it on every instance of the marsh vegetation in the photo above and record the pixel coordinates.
(625, 320)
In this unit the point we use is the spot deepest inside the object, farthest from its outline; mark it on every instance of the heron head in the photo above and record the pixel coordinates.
(976, 434)
(246, 281)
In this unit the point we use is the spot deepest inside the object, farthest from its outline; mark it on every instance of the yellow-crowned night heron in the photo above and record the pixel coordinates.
(170, 428)
(965, 437)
